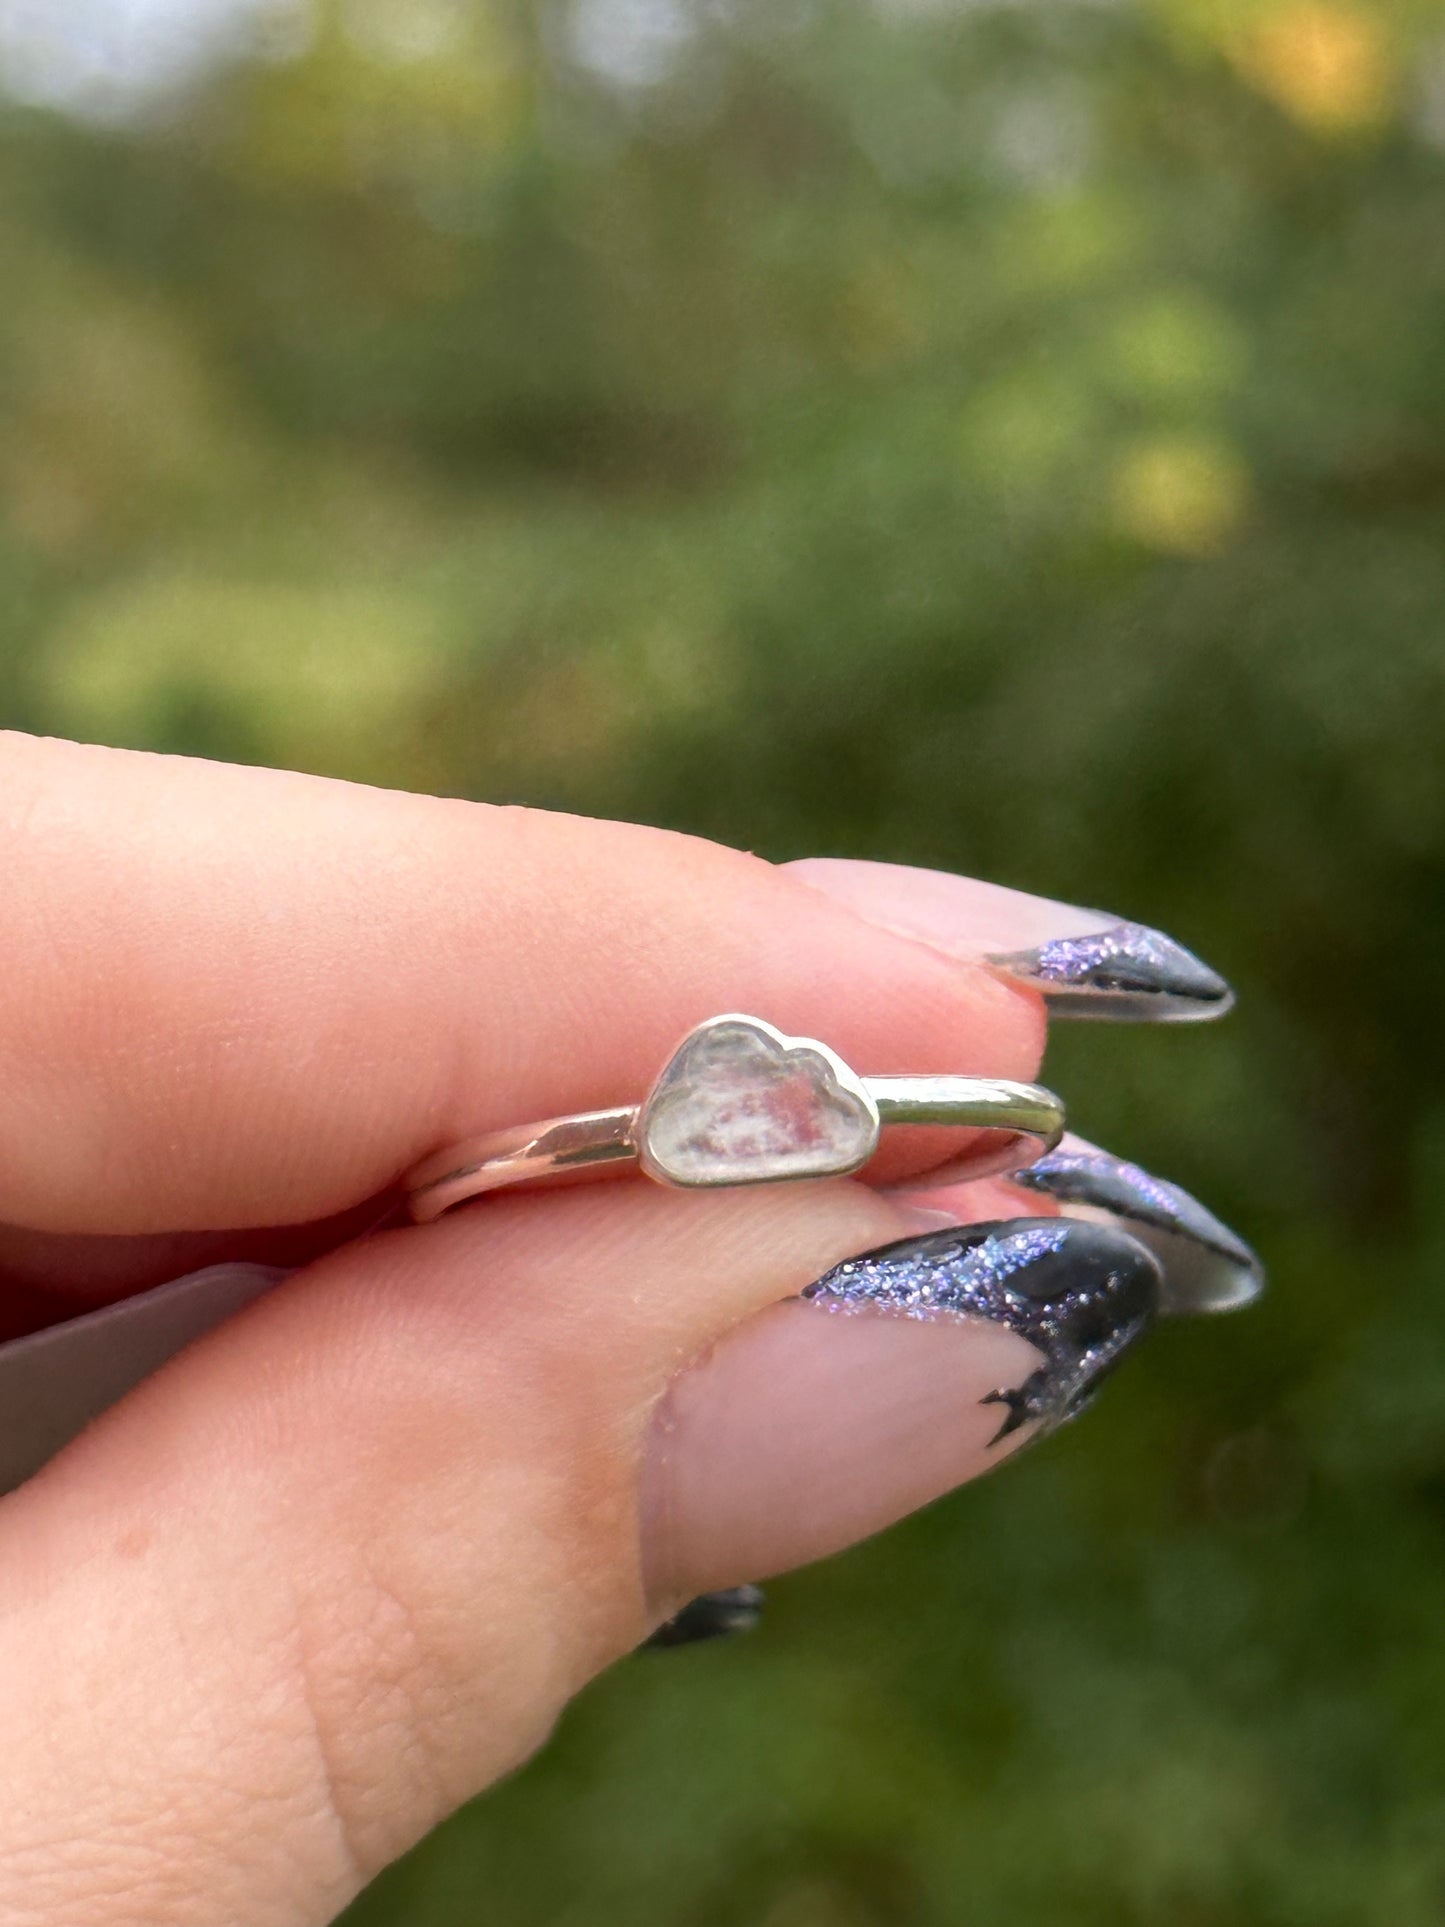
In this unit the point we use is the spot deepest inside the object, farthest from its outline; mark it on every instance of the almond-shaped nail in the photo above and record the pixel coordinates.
(1207, 1267)
(1084, 963)
(898, 1375)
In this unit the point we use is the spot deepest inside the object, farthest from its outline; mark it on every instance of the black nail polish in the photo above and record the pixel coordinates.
(714, 1615)
(1126, 973)
(1207, 1267)
(1082, 1294)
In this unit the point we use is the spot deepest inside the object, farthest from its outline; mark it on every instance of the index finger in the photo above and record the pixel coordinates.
(239, 997)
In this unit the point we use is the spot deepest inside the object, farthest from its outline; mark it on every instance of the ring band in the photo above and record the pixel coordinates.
(741, 1103)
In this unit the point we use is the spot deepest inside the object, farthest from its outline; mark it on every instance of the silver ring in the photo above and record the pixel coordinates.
(739, 1102)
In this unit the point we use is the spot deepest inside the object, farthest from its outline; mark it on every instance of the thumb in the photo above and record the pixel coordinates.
(341, 1563)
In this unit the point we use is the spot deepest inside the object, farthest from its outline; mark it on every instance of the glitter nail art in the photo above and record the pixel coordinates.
(1207, 1267)
(1124, 973)
(713, 1615)
(1081, 1294)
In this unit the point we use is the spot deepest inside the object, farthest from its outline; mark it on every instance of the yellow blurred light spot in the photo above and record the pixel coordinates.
(322, 674)
(387, 94)
(1023, 430)
(1175, 346)
(1182, 494)
(408, 30)
(1067, 242)
(1325, 63)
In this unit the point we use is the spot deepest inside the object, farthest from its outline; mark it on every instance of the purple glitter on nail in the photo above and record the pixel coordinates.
(1124, 971)
(1079, 1293)
(1113, 1184)
(1129, 949)
(1059, 1171)
(945, 1278)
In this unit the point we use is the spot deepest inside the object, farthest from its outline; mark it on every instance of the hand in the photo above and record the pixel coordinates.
(339, 1565)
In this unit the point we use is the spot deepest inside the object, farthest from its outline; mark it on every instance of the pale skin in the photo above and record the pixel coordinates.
(342, 1564)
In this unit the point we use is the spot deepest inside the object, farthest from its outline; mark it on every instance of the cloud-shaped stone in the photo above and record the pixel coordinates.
(740, 1103)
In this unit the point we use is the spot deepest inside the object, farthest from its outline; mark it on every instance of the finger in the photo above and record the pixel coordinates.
(54, 1381)
(237, 997)
(791, 1445)
(344, 1561)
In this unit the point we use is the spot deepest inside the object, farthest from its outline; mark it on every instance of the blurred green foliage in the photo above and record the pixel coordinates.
(1005, 437)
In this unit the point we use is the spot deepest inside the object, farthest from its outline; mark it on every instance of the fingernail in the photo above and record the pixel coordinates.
(714, 1615)
(1084, 963)
(1079, 1293)
(54, 1382)
(801, 1432)
(1207, 1267)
